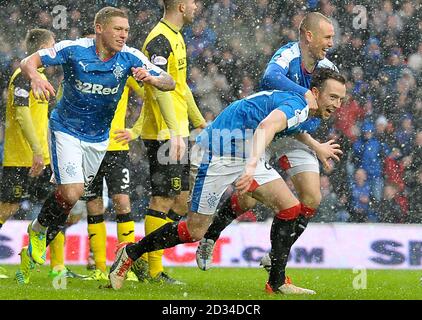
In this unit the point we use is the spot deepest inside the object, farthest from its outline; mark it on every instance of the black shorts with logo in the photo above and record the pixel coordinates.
(167, 179)
(17, 185)
(115, 169)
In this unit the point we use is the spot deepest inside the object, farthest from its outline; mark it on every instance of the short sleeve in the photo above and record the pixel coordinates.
(59, 54)
(21, 91)
(283, 62)
(140, 60)
(294, 114)
(159, 50)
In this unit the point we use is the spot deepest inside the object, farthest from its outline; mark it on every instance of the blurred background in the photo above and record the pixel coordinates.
(378, 47)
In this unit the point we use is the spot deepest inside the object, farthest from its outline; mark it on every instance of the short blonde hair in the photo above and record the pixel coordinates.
(105, 14)
(36, 38)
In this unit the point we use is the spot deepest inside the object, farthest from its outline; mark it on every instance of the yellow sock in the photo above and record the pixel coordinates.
(57, 252)
(152, 223)
(125, 228)
(97, 240)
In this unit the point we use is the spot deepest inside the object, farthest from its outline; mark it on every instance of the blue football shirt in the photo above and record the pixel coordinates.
(91, 87)
(231, 133)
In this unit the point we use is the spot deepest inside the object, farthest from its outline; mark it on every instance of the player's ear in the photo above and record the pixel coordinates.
(182, 6)
(98, 28)
(309, 35)
(316, 92)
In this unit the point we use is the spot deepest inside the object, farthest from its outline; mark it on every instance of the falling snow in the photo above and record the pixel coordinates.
(378, 47)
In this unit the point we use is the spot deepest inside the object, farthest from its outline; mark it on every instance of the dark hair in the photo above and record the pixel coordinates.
(35, 38)
(320, 75)
(105, 14)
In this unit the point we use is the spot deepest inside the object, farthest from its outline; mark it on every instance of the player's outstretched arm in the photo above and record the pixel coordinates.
(275, 78)
(163, 81)
(41, 88)
(275, 122)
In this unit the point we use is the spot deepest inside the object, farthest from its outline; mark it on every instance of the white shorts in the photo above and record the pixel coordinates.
(294, 156)
(215, 176)
(73, 160)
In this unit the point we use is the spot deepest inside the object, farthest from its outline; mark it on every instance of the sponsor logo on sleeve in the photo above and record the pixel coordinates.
(158, 60)
(282, 62)
(19, 92)
(51, 53)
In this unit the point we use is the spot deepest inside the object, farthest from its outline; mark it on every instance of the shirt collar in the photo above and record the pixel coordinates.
(170, 25)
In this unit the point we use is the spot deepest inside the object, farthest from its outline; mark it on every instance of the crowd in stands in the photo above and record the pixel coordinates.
(378, 47)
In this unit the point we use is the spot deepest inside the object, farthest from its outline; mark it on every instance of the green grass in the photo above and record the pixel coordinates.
(223, 284)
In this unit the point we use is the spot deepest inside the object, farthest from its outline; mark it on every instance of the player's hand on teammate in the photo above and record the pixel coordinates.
(244, 182)
(310, 99)
(328, 150)
(141, 74)
(124, 136)
(37, 165)
(42, 89)
(177, 148)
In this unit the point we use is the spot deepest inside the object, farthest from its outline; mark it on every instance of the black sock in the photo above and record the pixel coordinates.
(53, 213)
(300, 226)
(166, 236)
(52, 232)
(173, 215)
(282, 235)
(125, 217)
(222, 219)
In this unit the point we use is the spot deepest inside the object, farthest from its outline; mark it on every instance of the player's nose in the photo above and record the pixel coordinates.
(338, 103)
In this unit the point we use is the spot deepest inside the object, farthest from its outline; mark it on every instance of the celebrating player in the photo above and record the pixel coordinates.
(290, 69)
(258, 119)
(95, 71)
(115, 171)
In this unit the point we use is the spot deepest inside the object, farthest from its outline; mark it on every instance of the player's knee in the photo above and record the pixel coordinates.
(70, 195)
(247, 203)
(241, 204)
(121, 205)
(122, 210)
(95, 206)
(162, 204)
(73, 219)
(311, 200)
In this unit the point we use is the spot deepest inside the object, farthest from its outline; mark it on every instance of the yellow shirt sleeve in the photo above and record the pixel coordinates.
(135, 86)
(194, 114)
(165, 103)
(23, 117)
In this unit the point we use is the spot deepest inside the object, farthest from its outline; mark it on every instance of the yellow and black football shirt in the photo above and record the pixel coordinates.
(165, 47)
(17, 150)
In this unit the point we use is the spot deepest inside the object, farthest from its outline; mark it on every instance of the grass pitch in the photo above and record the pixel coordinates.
(224, 284)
